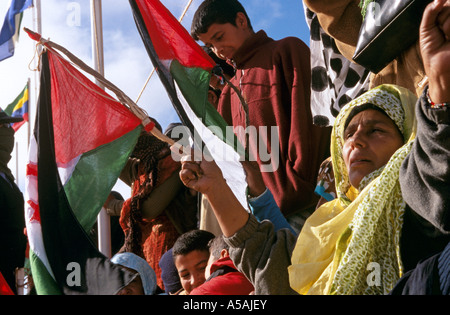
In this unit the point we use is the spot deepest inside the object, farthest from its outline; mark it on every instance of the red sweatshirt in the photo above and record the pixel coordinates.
(274, 78)
(230, 283)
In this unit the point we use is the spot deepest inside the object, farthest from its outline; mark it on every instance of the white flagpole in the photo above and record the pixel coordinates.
(37, 7)
(103, 220)
(37, 23)
(29, 116)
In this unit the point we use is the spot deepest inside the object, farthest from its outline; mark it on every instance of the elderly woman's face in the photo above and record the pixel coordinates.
(370, 139)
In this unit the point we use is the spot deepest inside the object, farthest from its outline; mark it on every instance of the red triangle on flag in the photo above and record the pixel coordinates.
(170, 39)
(84, 116)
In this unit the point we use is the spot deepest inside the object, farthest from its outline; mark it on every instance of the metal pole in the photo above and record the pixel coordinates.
(103, 220)
(37, 20)
(29, 112)
(37, 6)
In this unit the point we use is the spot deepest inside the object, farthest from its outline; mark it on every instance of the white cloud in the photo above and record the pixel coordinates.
(127, 64)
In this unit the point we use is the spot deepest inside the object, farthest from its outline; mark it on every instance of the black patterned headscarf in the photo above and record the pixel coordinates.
(335, 80)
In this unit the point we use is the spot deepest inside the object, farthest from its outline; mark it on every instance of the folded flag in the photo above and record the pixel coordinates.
(82, 140)
(9, 34)
(185, 71)
(19, 108)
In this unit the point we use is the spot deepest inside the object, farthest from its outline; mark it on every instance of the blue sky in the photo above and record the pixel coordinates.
(126, 62)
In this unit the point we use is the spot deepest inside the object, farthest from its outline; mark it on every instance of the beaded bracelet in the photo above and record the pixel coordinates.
(434, 105)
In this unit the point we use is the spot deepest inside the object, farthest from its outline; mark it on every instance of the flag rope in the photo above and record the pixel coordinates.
(123, 98)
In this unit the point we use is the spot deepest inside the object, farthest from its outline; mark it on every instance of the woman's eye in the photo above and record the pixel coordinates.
(377, 130)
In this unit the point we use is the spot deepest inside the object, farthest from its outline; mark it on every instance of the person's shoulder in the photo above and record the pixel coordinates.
(291, 50)
(291, 43)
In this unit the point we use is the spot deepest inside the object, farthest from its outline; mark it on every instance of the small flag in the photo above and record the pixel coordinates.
(19, 108)
(185, 71)
(9, 34)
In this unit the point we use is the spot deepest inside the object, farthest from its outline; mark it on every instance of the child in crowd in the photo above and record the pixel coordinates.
(191, 255)
(222, 277)
(273, 77)
(145, 283)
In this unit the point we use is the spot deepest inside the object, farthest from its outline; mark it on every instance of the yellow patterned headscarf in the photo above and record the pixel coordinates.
(351, 244)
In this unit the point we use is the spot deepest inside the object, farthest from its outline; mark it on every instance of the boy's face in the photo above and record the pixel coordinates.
(226, 39)
(191, 269)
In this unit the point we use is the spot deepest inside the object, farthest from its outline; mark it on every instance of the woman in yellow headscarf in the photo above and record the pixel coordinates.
(360, 242)
(362, 225)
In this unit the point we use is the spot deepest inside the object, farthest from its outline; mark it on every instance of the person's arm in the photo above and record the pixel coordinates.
(425, 173)
(259, 252)
(263, 255)
(264, 207)
(261, 200)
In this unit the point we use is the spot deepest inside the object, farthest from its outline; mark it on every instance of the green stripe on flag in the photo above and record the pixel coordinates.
(96, 174)
(42, 280)
(194, 83)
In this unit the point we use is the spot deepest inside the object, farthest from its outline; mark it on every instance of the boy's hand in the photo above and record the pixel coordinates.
(435, 49)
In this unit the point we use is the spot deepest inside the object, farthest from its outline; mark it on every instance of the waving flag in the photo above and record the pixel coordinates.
(82, 139)
(19, 108)
(185, 71)
(9, 34)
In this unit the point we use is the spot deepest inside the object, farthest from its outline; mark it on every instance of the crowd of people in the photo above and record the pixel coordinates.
(359, 203)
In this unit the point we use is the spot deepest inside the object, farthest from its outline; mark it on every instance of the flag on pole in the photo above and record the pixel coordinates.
(9, 35)
(185, 71)
(19, 108)
(82, 140)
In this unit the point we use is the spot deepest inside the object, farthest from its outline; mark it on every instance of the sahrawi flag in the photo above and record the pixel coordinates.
(185, 71)
(81, 142)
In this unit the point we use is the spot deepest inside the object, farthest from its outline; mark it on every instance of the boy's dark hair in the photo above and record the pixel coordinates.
(216, 245)
(190, 241)
(216, 11)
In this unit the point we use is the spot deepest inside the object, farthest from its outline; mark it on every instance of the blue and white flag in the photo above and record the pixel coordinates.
(11, 27)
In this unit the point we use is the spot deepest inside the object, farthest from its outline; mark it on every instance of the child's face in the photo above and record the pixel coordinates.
(191, 269)
(226, 39)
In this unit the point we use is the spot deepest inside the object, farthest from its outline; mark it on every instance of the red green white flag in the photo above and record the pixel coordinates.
(185, 71)
(82, 139)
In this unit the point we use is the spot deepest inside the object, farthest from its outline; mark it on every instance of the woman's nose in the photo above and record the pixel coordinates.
(358, 139)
